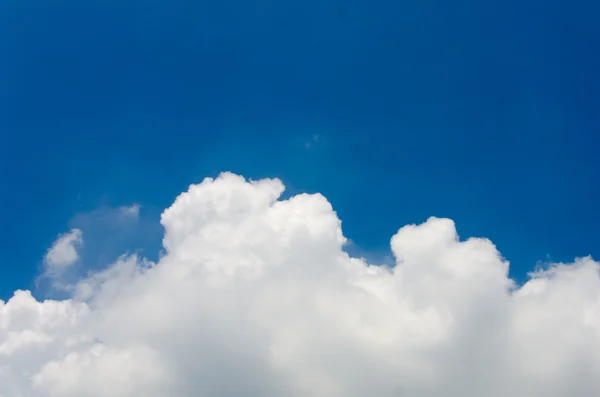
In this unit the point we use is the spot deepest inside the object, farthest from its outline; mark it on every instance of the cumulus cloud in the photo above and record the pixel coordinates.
(63, 252)
(255, 296)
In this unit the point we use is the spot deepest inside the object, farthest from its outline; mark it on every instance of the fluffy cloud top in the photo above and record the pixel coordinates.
(255, 296)
(63, 252)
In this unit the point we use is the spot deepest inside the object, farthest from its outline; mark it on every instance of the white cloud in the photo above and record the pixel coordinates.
(131, 211)
(63, 252)
(256, 297)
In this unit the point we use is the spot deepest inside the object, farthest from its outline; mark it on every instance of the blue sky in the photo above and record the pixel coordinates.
(484, 112)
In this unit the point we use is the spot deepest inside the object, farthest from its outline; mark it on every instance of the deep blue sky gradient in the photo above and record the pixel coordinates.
(484, 112)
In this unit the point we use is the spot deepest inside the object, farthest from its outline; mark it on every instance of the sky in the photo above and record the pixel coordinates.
(485, 113)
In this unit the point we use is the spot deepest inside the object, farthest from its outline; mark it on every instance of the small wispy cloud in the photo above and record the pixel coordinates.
(63, 252)
(131, 211)
(308, 144)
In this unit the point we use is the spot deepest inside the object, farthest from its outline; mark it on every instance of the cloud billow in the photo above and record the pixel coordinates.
(256, 296)
(63, 252)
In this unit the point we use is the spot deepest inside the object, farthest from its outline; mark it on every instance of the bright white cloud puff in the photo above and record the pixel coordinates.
(63, 252)
(255, 297)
